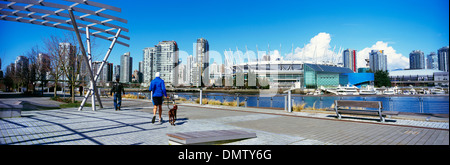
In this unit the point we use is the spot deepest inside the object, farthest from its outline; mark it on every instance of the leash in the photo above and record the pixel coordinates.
(171, 97)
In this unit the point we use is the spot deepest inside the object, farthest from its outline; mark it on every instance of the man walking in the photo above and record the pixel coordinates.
(158, 88)
(118, 90)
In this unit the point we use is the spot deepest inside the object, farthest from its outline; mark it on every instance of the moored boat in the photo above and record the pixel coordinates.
(389, 91)
(437, 91)
(368, 90)
(347, 90)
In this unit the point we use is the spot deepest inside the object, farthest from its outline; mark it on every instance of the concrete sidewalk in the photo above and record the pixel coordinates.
(132, 126)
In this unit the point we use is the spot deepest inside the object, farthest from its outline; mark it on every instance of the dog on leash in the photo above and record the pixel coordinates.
(173, 115)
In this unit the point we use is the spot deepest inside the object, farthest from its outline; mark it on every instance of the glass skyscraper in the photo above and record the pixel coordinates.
(416, 60)
(443, 58)
(432, 61)
(202, 61)
(126, 66)
(350, 59)
(162, 58)
(377, 60)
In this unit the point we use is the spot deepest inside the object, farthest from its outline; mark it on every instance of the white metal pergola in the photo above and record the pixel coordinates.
(60, 14)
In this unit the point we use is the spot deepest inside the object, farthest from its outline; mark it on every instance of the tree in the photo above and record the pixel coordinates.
(382, 78)
(9, 77)
(21, 73)
(68, 66)
(52, 48)
(64, 61)
(71, 66)
(34, 66)
(43, 70)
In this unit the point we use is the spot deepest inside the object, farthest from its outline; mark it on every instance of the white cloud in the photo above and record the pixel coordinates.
(275, 54)
(318, 49)
(395, 60)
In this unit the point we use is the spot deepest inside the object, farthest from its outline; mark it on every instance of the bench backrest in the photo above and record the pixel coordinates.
(364, 104)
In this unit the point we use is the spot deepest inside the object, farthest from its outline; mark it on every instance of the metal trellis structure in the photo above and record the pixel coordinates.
(60, 14)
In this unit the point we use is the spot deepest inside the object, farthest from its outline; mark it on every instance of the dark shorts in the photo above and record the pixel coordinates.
(157, 100)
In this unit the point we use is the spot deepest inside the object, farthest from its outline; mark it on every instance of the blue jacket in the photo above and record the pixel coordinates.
(158, 87)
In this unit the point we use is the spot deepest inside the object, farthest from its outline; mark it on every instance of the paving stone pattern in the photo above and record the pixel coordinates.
(132, 126)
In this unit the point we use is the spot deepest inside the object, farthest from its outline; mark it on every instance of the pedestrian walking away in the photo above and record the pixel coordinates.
(117, 89)
(158, 88)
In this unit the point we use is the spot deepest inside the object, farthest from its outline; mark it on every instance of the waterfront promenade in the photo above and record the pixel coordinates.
(132, 126)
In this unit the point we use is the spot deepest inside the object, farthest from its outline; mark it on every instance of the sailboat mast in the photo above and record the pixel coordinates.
(292, 56)
(268, 54)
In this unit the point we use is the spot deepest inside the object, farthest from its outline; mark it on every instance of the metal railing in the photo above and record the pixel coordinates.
(413, 104)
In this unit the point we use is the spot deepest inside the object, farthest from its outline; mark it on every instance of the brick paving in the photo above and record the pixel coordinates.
(132, 126)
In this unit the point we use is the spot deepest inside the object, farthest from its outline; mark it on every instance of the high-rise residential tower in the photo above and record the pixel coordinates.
(126, 64)
(349, 56)
(162, 58)
(21, 66)
(202, 62)
(116, 72)
(377, 60)
(443, 58)
(189, 66)
(432, 61)
(106, 75)
(149, 54)
(416, 60)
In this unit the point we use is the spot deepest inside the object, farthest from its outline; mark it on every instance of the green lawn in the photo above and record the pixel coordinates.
(68, 102)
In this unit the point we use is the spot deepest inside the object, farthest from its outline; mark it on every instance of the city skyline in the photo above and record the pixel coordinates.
(399, 27)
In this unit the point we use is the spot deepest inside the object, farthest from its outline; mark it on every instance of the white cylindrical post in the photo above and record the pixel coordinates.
(91, 88)
(201, 97)
(237, 100)
(285, 103)
(289, 101)
(75, 27)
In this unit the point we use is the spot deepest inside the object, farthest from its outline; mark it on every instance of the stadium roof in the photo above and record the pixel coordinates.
(413, 72)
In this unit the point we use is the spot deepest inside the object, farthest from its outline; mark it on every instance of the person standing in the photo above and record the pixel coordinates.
(81, 90)
(158, 88)
(118, 90)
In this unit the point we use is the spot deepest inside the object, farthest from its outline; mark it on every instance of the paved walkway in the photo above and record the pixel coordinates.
(132, 126)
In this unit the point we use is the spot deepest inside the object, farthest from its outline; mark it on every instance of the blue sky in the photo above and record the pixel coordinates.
(402, 25)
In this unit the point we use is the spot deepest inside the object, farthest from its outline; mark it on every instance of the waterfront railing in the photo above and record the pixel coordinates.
(430, 104)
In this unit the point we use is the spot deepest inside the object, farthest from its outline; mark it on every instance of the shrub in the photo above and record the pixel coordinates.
(204, 101)
(242, 103)
(227, 103)
(214, 102)
(65, 100)
(298, 107)
(233, 103)
(130, 96)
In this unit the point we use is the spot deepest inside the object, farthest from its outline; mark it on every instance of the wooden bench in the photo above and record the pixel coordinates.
(205, 137)
(362, 108)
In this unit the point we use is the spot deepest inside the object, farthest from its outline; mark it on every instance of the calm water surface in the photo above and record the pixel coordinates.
(414, 104)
